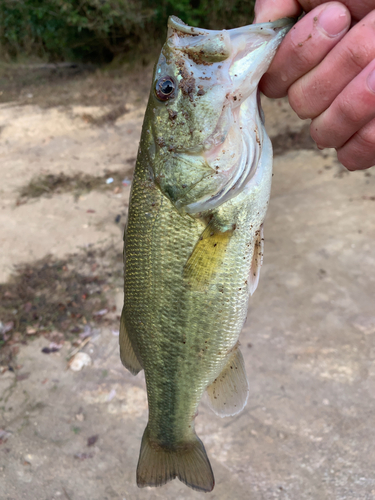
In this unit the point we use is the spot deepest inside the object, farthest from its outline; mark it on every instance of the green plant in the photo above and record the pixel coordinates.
(101, 29)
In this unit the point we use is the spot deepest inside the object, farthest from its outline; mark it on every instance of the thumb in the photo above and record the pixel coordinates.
(270, 10)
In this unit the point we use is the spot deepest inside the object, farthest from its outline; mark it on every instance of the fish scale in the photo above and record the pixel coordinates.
(193, 241)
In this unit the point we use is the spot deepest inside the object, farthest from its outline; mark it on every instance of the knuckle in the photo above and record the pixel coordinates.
(357, 56)
(348, 109)
(360, 45)
(302, 59)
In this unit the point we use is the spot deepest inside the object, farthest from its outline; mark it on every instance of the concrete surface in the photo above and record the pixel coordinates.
(309, 342)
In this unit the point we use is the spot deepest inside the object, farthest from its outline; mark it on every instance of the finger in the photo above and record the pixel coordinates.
(357, 8)
(359, 152)
(314, 92)
(270, 10)
(305, 46)
(349, 112)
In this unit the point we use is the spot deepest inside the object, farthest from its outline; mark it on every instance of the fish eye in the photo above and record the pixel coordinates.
(164, 88)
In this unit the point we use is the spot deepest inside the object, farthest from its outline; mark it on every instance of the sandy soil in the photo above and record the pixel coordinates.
(309, 342)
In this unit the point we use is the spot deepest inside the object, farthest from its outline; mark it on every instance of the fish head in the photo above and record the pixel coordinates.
(200, 83)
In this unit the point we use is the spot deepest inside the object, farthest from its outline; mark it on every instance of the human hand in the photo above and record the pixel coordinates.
(328, 73)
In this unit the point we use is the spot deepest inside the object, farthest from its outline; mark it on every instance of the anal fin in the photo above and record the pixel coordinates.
(207, 257)
(228, 393)
(128, 357)
(257, 261)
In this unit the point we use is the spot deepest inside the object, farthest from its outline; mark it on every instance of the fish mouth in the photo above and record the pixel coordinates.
(234, 59)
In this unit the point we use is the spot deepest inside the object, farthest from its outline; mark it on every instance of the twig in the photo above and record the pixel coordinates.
(77, 349)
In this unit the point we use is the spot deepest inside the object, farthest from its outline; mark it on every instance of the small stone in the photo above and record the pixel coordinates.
(80, 360)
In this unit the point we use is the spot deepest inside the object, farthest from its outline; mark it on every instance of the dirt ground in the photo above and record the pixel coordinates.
(68, 142)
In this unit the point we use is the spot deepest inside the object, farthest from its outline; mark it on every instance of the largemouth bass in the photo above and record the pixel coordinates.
(194, 239)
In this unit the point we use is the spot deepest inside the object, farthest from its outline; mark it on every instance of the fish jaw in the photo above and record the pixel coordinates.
(242, 55)
(255, 46)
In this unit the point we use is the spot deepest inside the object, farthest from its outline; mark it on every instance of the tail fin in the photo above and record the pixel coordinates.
(158, 465)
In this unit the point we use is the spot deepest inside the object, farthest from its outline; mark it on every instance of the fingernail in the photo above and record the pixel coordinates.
(334, 19)
(371, 81)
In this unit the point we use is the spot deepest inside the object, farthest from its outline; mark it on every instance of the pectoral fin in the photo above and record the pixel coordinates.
(229, 391)
(257, 261)
(128, 357)
(207, 257)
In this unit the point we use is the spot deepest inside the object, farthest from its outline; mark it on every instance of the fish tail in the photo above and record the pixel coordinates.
(157, 465)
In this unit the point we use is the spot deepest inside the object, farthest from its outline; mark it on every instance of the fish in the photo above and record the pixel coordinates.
(193, 243)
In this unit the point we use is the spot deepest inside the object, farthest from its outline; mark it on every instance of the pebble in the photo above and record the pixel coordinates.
(80, 360)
